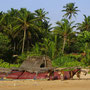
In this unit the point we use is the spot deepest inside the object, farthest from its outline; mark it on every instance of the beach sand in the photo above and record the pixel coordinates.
(83, 84)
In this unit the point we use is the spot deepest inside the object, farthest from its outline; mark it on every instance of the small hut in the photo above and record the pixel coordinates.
(36, 61)
(35, 64)
(31, 67)
(37, 67)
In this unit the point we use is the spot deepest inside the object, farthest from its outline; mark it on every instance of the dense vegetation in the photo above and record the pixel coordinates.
(24, 33)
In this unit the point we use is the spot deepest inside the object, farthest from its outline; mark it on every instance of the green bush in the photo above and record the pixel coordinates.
(66, 61)
(76, 57)
(7, 65)
(4, 44)
(73, 63)
(88, 57)
(23, 56)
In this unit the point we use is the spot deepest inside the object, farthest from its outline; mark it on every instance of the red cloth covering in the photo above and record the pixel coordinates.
(28, 75)
(14, 74)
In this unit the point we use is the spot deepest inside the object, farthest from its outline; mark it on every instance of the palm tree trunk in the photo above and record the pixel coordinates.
(24, 38)
(64, 42)
(14, 46)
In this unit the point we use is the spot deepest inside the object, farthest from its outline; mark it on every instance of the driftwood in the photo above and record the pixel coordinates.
(66, 74)
(35, 69)
(62, 69)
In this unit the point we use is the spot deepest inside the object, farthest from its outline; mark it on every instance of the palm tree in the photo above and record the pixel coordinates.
(70, 10)
(85, 25)
(43, 21)
(2, 16)
(64, 29)
(26, 21)
(9, 27)
(41, 14)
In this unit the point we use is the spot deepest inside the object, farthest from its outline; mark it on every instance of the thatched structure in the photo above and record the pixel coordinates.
(37, 67)
(36, 61)
(36, 64)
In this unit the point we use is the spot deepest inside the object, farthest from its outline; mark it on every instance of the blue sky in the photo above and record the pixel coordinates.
(54, 7)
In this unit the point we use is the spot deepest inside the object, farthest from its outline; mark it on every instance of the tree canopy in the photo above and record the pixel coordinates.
(24, 33)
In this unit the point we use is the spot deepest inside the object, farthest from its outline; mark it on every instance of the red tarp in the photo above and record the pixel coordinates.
(15, 74)
(28, 75)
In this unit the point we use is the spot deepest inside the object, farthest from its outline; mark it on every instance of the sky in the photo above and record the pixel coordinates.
(54, 7)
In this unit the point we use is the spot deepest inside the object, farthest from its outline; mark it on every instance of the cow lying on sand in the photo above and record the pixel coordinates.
(65, 75)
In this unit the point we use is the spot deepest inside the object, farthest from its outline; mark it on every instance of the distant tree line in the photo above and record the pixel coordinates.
(24, 33)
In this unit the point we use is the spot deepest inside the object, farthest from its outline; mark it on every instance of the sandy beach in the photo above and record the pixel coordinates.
(83, 84)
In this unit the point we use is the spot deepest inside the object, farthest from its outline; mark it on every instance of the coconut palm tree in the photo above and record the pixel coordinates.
(64, 29)
(85, 25)
(70, 9)
(43, 21)
(26, 21)
(41, 14)
(9, 27)
(2, 16)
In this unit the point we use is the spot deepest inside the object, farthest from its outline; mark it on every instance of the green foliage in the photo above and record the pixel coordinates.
(82, 39)
(84, 36)
(70, 10)
(30, 34)
(66, 61)
(7, 65)
(36, 49)
(76, 57)
(73, 63)
(52, 49)
(23, 56)
(4, 42)
(86, 59)
(85, 25)
(48, 48)
(65, 29)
